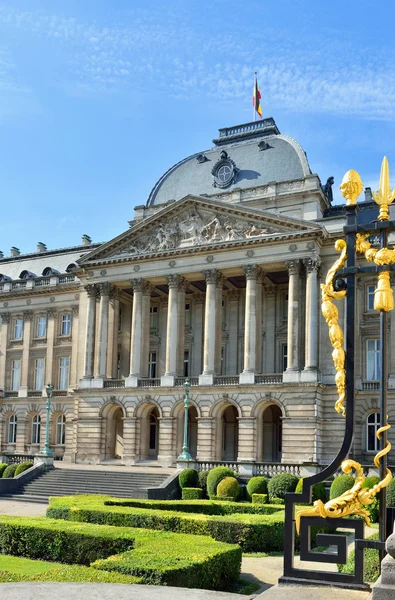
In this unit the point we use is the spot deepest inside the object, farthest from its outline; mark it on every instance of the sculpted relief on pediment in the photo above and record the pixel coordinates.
(195, 227)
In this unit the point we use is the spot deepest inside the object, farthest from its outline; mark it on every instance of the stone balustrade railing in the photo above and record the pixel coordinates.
(271, 469)
(226, 380)
(114, 383)
(369, 386)
(202, 465)
(29, 284)
(220, 380)
(274, 378)
(149, 382)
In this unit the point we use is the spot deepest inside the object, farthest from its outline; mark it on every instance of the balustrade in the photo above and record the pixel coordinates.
(114, 383)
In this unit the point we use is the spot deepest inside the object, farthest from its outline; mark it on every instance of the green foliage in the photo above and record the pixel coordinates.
(3, 467)
(253, 532)
(256, 485)
(23, 467)
(372, 563)
(202, 479)
(188, 478)
(280, 484)
(259, 498)
(191, 493)
(205, 507)
(48, 539)
(9, 472)
(275, 500)
(391, 493)
(341, 484)
(318, 491)
(178, 560)
(214, 477)
(228, 488)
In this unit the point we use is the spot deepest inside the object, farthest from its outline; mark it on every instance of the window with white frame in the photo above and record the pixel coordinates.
(64, 366)
(187, 315)
(41, 331)
(152, 364)
(39, 366)
(370, 297)
(372, 426)
(186, 363)
(373, 360)
(18, 329)
(284, 356)
(65, 326)
(36, 429)
(12, 426)
(153, 314)
(15, 374)
(60, 430)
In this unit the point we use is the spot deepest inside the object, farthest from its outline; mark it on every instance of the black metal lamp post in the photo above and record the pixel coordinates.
(47, 450)
(185, 454)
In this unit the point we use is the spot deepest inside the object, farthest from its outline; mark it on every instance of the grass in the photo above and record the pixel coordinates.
(245, 587)
(25, 566)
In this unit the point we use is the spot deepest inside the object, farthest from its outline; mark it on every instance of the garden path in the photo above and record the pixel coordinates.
(22, 509)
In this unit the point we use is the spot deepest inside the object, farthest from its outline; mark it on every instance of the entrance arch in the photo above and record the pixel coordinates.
(153, 436)
(270, 434)
(113, 431)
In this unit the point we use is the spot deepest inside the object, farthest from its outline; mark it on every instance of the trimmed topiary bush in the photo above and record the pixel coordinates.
(188, 478)
(259, 498)
(9, 472)
(372, 562)
(3, 467)
(214, 477)
(256, 485)
(280, 484)
(391, 493)
(23, 467)
(228, 488)
(202, 507)
(341, 484)
(202, 479)
(191, 493)
(275, 500)
(319, 491)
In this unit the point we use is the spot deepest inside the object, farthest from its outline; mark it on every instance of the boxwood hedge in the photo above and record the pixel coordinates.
(9, 471)
(22, 467)
(3, 467)
(191, 493)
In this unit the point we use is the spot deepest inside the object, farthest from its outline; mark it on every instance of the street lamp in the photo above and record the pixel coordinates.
(185, 454)
(47, 450)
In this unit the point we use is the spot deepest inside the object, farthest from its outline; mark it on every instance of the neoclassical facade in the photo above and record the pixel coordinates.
(217, 279)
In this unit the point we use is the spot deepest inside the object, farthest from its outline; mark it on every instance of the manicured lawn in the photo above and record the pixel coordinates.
(25, 566)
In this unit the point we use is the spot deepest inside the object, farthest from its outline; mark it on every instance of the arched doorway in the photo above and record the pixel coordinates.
(114, 432)
(192, 430)
(153, 436)
(271, 439)
(230, 434)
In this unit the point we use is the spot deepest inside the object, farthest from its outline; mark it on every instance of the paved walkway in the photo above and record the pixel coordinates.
(15, 508)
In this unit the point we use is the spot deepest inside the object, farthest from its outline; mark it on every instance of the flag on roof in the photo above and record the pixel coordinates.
(256, 98)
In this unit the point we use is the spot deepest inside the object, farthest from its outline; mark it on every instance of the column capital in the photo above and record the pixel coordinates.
(52, 313)
(147, 288)
(270, 290)
(75, 310)
(28, 315)
(251, 271)
(183, 284)
(91, 289)
(312, 263)
(104, 288)
(173, 281)
(220, 280)
(211, 275)
(137, 284)
(115, 292)
(293, 267)
(234, 294)
(6, 317)
(198, 298)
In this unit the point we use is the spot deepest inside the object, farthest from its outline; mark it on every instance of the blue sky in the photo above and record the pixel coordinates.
(99, 97)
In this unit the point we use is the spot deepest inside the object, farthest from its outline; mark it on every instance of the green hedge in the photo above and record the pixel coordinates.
(205, 507)
(214, 477)
(191, 493)
(259, 498)
(340, 484)
(229, 489)
(9, 472)
(188, 478)
(281, 484)
(391, 493)
(372, 563)
(277, 501)
(253, 532)
(202, 480)
(22, 467)
(256, 485)
(178, 560)
(49, 539)
(3, 467)
(318, 491)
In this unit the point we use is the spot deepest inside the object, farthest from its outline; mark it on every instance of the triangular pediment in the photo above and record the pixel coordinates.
(196, 222)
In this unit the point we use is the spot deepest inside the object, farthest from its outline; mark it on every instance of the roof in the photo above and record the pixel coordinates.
(260, 155)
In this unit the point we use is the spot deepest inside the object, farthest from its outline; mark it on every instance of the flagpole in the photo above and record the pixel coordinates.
(254, 108)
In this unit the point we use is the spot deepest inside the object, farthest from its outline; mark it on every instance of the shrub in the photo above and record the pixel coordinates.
(374, 507)
(341, 484)
(372, 563)
(191, 493)
(275, 500)
(202, 479)
(391, 493)
(259, 498)
(3, 467)
(214, 477)
(9, 472)
(318, 491)
(23, 467)
(188, 478)
(256, 485)
(228, 488)
(48, 539)
(280, 484)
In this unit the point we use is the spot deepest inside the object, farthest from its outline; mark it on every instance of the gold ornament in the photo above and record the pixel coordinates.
(383, 294)
(351, 186)
(384, 195)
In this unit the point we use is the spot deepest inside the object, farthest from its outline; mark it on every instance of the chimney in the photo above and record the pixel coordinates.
(86, 240)
(41, 247)
(1, 254)
(15, 251)
(368, 194)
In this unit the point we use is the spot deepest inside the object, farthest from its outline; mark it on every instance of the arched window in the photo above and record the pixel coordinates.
(48, 271)
(27, 275)
(71, 267)
(36, 428)
(372, 426)
(60, 430)
(12, 425)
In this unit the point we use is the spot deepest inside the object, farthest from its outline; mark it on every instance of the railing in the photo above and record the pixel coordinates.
(270, 379)
(368, 386)
(18, 284)
(114, 383)
(226, 131)
(13, 459)
(149, 382)
(203, 465)
(10, 394)
(42, 281)
(226, 380)
(270, 469)
(35, 393)
(60, 393)
(66, 278)
(180, 381)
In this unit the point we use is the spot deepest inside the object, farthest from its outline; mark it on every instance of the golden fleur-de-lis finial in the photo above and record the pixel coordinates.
(351, 186)
(384, 196)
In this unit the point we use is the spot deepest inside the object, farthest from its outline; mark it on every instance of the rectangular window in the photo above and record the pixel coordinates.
(12, 427)
(186, 363)
(64, 364)
(61, 430)
(153, 313)
(18, 329)
(152, 365)
(373, 360)
(66, 324)
(370, 297)
(187, 315)
(41, 327)
(15, 375)
(39, 365)
(284, 351)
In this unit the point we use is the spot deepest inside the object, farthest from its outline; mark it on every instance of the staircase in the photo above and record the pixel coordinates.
(66, 482)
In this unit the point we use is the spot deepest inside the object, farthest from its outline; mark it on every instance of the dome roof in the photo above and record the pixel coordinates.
(245, 156)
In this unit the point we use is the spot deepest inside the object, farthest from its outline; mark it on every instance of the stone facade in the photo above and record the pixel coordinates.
(223, 288)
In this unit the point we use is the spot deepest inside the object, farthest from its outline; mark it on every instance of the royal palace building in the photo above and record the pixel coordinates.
(217, 279)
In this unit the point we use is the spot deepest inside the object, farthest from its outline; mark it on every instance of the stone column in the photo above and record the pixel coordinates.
(246, 449)
(136, 337)
(112, 354)
(172, 332)
(248, 374)
(270, 329)
(50, 377)
(90, 331)
(384, 588)
(74, 349)
(5, 321)
(292, 373)
(27, 327)
(182, 288)
(219, 286)
(310, 372)
(162, 317)
(145, 328)
(259, 283)
(233, 343)
(205, 433)
(207, 377)
(104, 290)
(165, 451)
(129, 440)
(197, 328)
